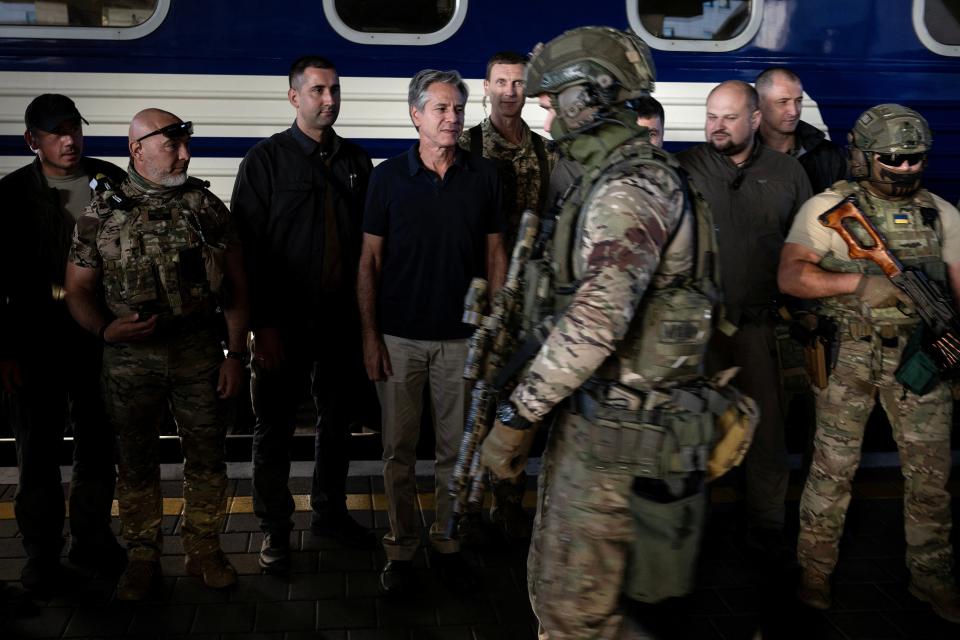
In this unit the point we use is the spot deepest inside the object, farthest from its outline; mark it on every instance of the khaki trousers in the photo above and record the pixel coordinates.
(416, 363)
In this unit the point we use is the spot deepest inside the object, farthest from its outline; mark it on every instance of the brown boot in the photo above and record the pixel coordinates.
(942, 597)
(138, 579)
(214, 568)
(814, 590)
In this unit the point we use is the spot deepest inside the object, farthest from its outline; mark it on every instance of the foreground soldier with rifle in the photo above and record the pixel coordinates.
(629, 278)
(897, 333)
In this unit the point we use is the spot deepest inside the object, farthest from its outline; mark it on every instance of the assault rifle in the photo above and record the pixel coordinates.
(932, 305)
(490, 348)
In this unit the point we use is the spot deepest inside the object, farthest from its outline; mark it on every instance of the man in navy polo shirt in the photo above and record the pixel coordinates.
(432, 223)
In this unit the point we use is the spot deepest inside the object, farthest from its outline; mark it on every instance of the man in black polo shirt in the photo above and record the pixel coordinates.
(432, 222)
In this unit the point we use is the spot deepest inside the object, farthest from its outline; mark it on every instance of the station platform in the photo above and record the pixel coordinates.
(331, 592)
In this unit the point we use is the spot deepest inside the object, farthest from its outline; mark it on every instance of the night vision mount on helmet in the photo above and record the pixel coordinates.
(587, 72)
(616, 63)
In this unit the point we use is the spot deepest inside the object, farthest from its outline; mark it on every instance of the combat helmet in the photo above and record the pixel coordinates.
(883, 136)
(587, 72)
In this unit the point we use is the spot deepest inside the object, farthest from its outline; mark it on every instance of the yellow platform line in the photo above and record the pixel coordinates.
(238, 505)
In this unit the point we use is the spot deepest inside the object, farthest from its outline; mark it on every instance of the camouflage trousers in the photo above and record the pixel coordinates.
(179, 371)
(581, 542)
(921, 428)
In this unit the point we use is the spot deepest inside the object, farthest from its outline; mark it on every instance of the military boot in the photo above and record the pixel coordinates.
(214, 568)
(138, 579)
(943, 597)
(470, 531)
(814, 589)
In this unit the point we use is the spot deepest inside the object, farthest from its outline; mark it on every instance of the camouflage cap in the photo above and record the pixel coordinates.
(616, 63)
(892, 128)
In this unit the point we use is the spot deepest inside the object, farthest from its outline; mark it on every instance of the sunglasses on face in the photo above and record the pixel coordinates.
(896, 159)
(175, 130)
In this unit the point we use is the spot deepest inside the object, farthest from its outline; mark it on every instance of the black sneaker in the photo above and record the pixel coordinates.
(344, 529)
(396, 578)
(275, 552)
(46, 576)
(108, 559)
(455, 573)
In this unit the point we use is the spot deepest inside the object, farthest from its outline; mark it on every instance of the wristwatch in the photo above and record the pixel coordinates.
(242, 356)
(507, 414)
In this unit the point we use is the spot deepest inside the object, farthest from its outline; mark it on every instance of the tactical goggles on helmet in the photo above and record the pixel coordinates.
(171, 131)
(896, 159)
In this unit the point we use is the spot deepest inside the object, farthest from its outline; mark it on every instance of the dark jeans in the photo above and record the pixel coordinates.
(333, 370)
(57, 387)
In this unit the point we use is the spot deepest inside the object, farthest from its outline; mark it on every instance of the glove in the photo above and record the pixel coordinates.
(877, 292)
(505, 449)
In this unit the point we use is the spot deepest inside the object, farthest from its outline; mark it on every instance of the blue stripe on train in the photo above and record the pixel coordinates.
(200, 147)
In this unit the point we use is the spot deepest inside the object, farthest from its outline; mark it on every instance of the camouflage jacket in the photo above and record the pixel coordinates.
(524, 172)
(160, 250)
(629, 220)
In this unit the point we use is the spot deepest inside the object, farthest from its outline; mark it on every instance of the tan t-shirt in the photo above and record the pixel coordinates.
(75, 193)
(808, 231)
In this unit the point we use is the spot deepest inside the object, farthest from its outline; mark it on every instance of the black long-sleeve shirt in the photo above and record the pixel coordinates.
(285, 187)
(753, 207)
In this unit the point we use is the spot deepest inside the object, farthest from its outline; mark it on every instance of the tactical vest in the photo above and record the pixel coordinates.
(166, 265)
(667, 340)
(913, 234)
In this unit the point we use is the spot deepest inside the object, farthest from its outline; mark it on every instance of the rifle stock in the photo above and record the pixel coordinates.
(933, 306)
(489, 349)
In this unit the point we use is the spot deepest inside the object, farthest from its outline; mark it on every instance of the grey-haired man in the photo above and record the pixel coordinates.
(432, 222)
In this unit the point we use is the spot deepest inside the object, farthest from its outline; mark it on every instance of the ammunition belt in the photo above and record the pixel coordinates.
(633, 439)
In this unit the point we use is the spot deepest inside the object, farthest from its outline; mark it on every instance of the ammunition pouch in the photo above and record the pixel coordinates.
(917, 370)
(656, 434)
(670, 433)
(663, 556)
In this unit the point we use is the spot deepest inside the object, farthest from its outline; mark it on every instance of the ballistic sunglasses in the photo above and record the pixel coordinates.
(896, 159)
(171, 131)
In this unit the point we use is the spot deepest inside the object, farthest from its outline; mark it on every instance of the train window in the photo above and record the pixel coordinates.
(937, 23)
(81, 19)
(695, 25)
(410, 22)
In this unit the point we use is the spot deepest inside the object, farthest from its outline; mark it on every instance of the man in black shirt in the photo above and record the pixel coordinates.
(50, 367)
(298, 204)
(753, 193)
(432, 223)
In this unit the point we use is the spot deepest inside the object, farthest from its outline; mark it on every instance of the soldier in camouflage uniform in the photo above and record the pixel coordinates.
(888, 147)
(162, 252)
(525, 165)
(621, 500)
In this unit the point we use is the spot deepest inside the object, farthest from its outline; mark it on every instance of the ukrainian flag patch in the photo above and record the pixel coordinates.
(902, 217)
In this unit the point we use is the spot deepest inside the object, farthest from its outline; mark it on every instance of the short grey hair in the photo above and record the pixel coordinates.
(417, 94)
(766, 77)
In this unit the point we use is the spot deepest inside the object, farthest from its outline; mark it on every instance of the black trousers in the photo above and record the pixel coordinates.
(333, 371)
(61, 386)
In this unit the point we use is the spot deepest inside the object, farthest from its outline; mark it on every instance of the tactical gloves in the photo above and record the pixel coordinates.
(877, 292)
(505, 449)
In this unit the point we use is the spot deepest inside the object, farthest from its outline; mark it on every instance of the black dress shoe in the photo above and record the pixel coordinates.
(396, 578)
(106, 559)
(344, 529)
(46, 576)
(455, 573)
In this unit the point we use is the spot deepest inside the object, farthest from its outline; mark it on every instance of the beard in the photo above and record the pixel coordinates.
(729, 147)
(173, 179)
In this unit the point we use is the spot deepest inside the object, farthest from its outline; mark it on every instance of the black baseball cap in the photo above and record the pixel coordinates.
(49, 110)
